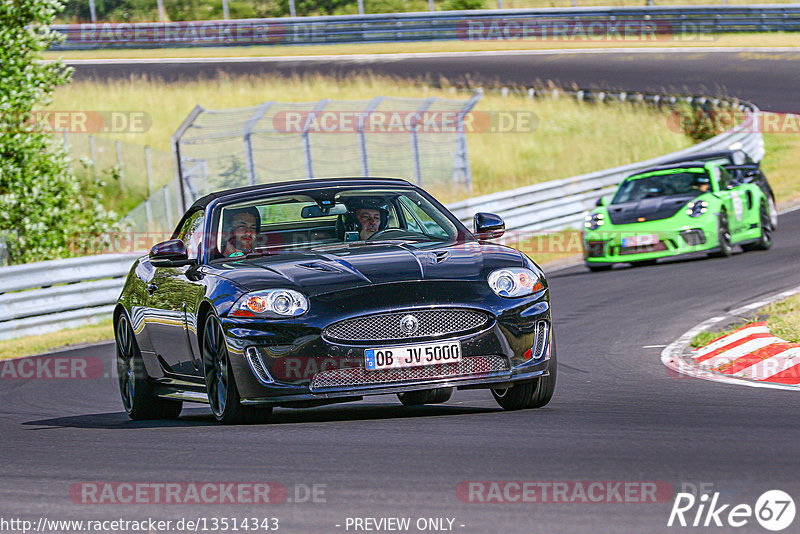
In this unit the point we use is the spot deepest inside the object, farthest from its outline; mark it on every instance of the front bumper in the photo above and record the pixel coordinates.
(292, 361)
(606, 246)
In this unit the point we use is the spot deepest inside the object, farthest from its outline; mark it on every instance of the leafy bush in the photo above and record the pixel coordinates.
(43, 205)
(453, 5)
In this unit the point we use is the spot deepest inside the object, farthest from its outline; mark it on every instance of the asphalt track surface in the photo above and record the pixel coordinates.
(617, 415)
(768, 78)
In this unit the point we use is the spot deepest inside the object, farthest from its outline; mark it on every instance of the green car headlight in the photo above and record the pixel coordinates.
(593, 221)
(696, 209)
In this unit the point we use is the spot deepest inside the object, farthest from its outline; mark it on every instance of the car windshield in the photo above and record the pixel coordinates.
(636, 188)
(313, 221)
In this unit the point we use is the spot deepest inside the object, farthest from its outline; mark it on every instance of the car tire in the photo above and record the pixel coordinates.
(765, 239)
(773, 212)
(725, 248)
(425, 396)
(598, 268)
(135, 386)
(223, 395)
(533, 393)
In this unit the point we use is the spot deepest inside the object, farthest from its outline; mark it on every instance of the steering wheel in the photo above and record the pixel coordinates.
(404, 234)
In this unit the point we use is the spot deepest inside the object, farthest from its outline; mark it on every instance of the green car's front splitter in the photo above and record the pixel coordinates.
(648, 241)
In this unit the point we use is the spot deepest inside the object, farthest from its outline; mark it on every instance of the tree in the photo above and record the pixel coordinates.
(43, 205)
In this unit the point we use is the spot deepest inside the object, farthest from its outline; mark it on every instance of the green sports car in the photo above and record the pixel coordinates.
(677, 209)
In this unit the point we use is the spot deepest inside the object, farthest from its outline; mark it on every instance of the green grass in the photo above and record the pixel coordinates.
(776, 39)
(39, 344)
(781, 164)
(782, 317)
(571, 137)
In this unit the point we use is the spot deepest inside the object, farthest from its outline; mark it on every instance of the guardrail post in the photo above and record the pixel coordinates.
(119, 163)
(292, 10)
(360, 7)
(415, 142)
(362, 138)
(66, 141)
(307, 160)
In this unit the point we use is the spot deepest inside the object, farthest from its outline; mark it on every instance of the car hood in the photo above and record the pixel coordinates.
(329, 269)
(649, 209)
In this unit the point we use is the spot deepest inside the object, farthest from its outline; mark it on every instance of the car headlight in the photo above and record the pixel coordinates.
(514, 282)
(271, 303)
(696, 209)
(593, 221)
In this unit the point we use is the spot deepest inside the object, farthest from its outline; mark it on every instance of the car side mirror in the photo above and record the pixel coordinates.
(601, 202)
(488, 226)
(170, 253)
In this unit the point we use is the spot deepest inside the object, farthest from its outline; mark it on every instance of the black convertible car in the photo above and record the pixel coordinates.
(306, 293)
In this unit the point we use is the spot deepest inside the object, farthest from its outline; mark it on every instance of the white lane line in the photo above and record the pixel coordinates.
(428, 55)
(653, 346)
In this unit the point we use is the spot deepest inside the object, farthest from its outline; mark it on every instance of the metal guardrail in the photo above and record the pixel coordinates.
(561, 204)
(49, 296)
(646, 23)
(37, 298)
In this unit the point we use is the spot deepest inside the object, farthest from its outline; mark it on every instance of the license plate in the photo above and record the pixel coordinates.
(640, 240)
(412, 355)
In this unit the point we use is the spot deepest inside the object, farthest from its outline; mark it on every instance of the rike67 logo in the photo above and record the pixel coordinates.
(774, 510)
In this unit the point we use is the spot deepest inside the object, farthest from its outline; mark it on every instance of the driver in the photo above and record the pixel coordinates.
(367, 217)
(702, 183)
(370, 221)
(241, 230)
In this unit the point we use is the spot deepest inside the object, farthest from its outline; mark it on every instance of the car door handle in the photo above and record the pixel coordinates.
(151, 288)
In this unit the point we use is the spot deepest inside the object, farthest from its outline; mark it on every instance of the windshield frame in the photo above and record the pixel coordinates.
(707, 170)
(215, 208)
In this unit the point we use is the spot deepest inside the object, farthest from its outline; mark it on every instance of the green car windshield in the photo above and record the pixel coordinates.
(682, 182)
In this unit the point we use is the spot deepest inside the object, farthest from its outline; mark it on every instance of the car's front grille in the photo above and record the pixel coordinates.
(472, 366)
(431, 323)
(641, 249)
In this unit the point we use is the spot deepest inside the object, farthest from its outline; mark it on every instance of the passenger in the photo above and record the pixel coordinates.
(242, 231)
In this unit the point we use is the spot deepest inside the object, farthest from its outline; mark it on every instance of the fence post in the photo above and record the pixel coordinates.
(362, 138)
(149, 171)
(309, 164)
(461, 169)
(247, 130)
(292, 10)
(431, 8)
(415, 142)
(360, 7)
(225, 12)
(92, 154)
(175, 141)
(66, 141)
(119, 162)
